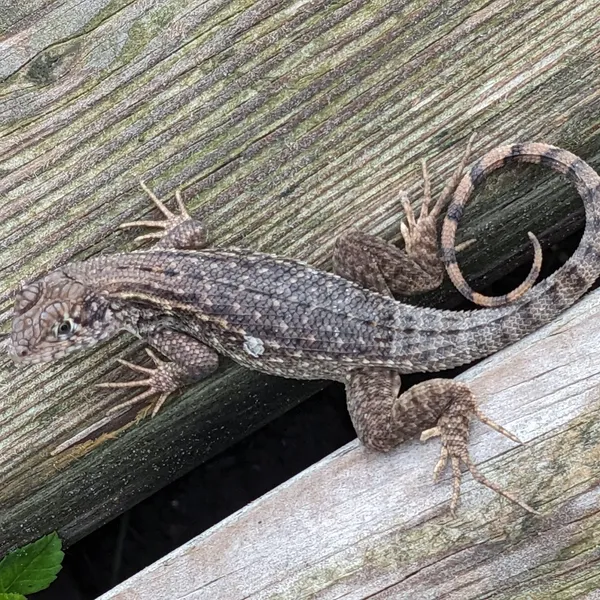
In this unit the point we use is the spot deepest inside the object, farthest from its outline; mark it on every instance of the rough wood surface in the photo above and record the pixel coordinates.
(361, 525)
(285, 123)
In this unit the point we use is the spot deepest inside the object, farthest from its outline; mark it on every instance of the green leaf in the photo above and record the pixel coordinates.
(11, 597)
(31, 568)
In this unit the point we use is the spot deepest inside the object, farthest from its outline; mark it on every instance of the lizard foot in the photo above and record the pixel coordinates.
(436, 407)
(162, 380)
(452, 428)
(180, 231)
(420, 234)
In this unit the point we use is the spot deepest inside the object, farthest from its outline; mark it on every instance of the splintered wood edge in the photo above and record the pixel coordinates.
(360, 524)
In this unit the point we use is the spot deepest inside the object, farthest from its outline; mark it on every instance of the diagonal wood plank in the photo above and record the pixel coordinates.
(285, 122)
(361, 525)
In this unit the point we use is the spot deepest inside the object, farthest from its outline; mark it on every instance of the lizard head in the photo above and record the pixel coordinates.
(55, 316)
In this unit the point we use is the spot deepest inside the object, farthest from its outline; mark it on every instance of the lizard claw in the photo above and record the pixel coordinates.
(171, 221)
(410, 229)
(420, 234)
(454, 448)
(159, 381)
(464, 458)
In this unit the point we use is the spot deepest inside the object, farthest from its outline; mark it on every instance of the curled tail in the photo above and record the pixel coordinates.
(586, 181)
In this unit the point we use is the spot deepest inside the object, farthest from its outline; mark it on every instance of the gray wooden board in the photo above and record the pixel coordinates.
(286, 123)
(361, 525)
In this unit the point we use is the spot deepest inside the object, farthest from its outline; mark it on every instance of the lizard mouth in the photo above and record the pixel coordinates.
(21, 353)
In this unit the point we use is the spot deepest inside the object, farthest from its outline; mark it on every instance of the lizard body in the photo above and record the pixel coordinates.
(309, 324)
(286, 318)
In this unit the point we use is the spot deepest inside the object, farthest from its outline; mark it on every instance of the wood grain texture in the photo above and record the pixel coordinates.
(285, 123)
(360, 524)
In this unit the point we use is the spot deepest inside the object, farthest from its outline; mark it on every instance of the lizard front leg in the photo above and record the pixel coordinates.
(191, 361)
(180, 231)
(383, 418)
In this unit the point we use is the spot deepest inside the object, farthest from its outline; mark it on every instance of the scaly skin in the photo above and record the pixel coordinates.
(286, 318)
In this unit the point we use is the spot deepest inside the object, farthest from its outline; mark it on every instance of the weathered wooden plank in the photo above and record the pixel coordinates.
(286, 123)
(361, 525)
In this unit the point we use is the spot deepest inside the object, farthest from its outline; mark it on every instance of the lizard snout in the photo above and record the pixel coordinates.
(19, 351)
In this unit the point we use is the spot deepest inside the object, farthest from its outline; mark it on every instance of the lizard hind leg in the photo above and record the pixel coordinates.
(381, 266)
(383, 418)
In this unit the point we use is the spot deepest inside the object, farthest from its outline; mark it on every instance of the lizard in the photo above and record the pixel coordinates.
(286, 318)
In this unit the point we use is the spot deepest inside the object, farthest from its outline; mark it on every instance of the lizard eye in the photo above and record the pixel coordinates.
(65, 328)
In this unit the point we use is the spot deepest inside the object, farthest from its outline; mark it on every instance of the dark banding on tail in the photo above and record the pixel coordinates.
(556, 158)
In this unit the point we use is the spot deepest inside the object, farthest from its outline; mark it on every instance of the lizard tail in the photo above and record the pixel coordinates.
(586, 181)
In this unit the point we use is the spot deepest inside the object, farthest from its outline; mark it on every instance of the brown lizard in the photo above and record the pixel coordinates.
(286, 318)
